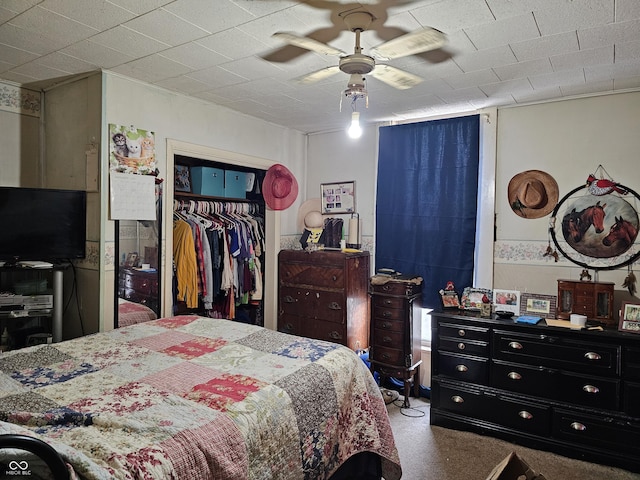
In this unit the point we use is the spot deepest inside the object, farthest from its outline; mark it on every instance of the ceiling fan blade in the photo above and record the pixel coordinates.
(308, 43)
(411, 43)
(395, 77)
(318, 75)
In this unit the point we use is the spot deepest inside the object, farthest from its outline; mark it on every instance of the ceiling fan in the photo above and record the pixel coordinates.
(358, 64)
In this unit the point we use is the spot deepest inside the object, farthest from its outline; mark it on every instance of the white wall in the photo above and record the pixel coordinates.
(569, 140)
(185, 120)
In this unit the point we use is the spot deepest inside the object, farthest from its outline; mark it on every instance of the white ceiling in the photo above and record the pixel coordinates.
(499, 52)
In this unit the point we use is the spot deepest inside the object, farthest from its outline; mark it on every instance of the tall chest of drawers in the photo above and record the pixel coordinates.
(396, 330)
(572, 392)
(324, 295)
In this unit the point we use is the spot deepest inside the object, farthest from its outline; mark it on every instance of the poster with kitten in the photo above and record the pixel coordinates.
(132, 150)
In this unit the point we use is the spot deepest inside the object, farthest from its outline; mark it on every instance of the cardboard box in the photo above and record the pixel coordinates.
(235, 184)
(514, 468)
(207, 181)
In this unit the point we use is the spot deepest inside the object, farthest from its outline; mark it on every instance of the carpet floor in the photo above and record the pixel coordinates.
(430, 452)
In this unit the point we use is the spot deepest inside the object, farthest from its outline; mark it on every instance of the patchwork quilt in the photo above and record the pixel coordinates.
(130, 313)
(197, 398)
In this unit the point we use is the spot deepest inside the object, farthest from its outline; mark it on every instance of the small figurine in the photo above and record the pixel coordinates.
(450, 287)
(585, 276)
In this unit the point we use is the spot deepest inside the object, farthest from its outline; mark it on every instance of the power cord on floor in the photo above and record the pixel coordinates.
(393, 397)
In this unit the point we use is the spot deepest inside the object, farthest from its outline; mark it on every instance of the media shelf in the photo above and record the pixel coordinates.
(31, 302)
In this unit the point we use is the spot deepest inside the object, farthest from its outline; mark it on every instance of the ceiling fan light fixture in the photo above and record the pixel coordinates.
(355, 130)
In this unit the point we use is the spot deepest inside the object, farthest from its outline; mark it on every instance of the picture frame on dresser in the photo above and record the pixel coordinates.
(537, 304)
(506, 300)
(472, 298)
(629, 317)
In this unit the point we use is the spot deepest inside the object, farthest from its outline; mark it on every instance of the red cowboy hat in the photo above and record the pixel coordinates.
(279, 187)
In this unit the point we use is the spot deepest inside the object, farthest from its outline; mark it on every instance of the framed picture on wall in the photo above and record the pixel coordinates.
(182, 179)
(338, 197)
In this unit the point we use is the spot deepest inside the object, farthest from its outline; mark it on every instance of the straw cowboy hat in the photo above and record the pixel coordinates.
(313, 209)
(279, 187)
(532, 194)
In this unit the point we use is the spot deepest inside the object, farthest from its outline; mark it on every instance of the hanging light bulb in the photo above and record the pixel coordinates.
(355, 131)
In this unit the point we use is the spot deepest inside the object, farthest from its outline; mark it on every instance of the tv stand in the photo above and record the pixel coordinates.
(12, 307)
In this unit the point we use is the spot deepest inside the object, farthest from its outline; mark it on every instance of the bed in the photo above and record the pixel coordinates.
(200, 398)
(130, 313)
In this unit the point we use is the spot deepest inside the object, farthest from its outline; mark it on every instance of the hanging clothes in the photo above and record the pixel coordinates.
(228, 239)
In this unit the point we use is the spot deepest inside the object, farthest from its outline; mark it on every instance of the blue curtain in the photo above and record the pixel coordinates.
(427, 201)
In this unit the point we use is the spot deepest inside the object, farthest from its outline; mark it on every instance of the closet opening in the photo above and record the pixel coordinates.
(220, 212)
(219, 240)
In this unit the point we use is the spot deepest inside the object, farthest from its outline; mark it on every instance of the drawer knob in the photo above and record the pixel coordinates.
(461, 333)
(387, 301)
(591, 389)
(385, 356)
(334, 278)
(515, 345)
(457, 399)
(335, 335)
(592, 356)
(524, 414)
(462, 368)
(386, 314)
(288, 299)
(335, 306)
(514, 376)
(386, 339)
(580, 427)
(386, 288)
(386, 325)
(461, 346)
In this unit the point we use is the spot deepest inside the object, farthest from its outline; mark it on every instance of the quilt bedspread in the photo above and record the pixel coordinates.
(197, 398)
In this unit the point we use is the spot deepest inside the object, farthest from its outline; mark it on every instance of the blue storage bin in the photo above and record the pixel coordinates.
(235, 184)
(207, 181)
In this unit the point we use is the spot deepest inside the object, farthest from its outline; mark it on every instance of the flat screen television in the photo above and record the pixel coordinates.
(42, 224)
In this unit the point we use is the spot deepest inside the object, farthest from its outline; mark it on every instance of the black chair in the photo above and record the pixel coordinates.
(39, 448)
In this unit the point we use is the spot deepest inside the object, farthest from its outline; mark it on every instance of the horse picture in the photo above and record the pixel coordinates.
(622, 231)
(575, 224)
(588, 221)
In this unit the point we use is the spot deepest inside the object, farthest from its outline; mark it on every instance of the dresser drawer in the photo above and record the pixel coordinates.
(557, 352)
(470, 347)
(631, 396)
(381, 325)
(388, 338)
(399, 288)
(464, 332)
(388, 313)
(390, 356)
(311, 275)
(631, 363)
(614, 433)
(463, 367)
(586, 390)
(291, 324)
(310, 303)
(329, 331)
(389, 302)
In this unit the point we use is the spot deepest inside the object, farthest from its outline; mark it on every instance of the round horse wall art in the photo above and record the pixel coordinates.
(603, 226)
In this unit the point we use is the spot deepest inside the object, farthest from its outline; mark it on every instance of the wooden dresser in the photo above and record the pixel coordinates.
(324, 295)
(139, 287)
(396, 330)
(573, 392)
(593, 299)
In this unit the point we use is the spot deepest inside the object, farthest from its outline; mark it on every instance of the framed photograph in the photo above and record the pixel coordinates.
(472, 298)
(629, 317)
(541, 305)
(506, 300)
(449, 299)
(182, 179)
(338, 197)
